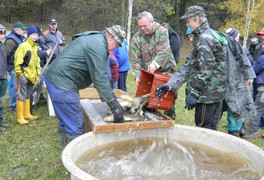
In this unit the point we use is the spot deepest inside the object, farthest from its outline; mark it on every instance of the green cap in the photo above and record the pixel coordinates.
(19, 25)
(118, 32)
(193, 11)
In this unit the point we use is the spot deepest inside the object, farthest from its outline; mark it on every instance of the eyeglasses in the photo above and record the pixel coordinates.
(2, 32)
(53, 24)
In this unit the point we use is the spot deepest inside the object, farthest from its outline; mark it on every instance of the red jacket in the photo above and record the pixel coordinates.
(114, 67)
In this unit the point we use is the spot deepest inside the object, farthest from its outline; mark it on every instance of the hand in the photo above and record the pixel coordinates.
(137, 81)
(116, 110)
(49, 52)
(190, 102)
(37, 79)
(60, 41)
(249, 82)
(162, 89)
(152, 68)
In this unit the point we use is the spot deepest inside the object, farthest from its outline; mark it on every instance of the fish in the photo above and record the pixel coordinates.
(110, 118)
(134, 104)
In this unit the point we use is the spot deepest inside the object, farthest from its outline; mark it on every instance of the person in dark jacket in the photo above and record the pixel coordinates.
(235, 127)
(52, 36)
(13, 40)
(175, 42)
(3, 77)
(253, 126)
(82, 63)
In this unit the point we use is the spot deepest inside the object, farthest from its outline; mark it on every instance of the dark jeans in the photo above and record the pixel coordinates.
(122, 77)
(208, 115)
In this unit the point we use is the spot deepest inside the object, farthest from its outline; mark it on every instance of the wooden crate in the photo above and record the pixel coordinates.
(148, 82)
(94, 122)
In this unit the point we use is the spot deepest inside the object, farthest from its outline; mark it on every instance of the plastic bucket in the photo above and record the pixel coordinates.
(148, 83)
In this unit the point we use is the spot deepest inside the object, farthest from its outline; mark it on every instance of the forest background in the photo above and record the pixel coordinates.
(80, 15)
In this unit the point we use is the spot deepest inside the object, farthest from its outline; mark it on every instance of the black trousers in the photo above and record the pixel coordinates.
(208, 115)
(122, 77)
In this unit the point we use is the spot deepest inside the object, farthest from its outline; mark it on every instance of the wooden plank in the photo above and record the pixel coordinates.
(91, 93)
(95, 122)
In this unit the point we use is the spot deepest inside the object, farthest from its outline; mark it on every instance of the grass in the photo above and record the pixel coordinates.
(33, 151)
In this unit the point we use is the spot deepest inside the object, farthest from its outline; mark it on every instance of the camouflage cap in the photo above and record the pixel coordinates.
(193, 11)
(118, 32)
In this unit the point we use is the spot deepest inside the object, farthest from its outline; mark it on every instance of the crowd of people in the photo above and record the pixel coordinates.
(219, 72)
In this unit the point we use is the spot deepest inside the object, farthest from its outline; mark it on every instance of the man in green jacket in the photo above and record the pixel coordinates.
(82, 63)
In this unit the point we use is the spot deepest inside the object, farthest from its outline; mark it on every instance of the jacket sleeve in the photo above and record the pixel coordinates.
(10, 45)
(19, 60)
(63, 40)
(96, 56)
(244, 63)
(136, 57)
(259, 65)
(180, 77)
(163, 49)
(205, 64)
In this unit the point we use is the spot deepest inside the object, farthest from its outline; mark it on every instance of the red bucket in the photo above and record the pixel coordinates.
(148, 83)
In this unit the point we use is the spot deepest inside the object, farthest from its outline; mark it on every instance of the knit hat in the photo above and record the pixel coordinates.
(233, 32)
(193, 11)
(118, 33)
(2, 28)
(32, 30)
(188, 31)
(19, 25)
(53, 21)
(261, 32)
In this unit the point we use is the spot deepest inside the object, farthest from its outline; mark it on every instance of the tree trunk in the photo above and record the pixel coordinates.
(181, 13)
(130, 8)
(8, 11)
(248, 21)
(43, 11)
(123, 13)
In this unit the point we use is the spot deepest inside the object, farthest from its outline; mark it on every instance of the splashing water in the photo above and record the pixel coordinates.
(163, 158)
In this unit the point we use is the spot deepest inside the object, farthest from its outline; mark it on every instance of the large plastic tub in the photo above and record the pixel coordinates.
(215, 139)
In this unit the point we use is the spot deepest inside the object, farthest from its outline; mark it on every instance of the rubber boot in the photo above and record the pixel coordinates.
(70, 138)
(27, 114)
(62, 136)
(20, 117)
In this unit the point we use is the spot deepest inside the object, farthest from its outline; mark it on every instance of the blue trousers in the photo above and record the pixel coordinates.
(12, 90)
(67, 108)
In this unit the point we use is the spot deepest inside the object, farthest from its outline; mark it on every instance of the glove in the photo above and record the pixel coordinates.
(162, 89)
(190, 102)
(116, 110)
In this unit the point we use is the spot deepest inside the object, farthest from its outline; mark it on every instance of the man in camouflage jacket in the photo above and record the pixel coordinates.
(150, 47)
(206, 77)
(151, 50)
(238, 70)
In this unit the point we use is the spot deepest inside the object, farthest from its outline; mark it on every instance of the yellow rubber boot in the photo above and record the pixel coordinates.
(20, 117)
(27, 114)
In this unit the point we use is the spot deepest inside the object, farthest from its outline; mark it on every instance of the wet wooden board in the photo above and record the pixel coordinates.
(95, 111)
